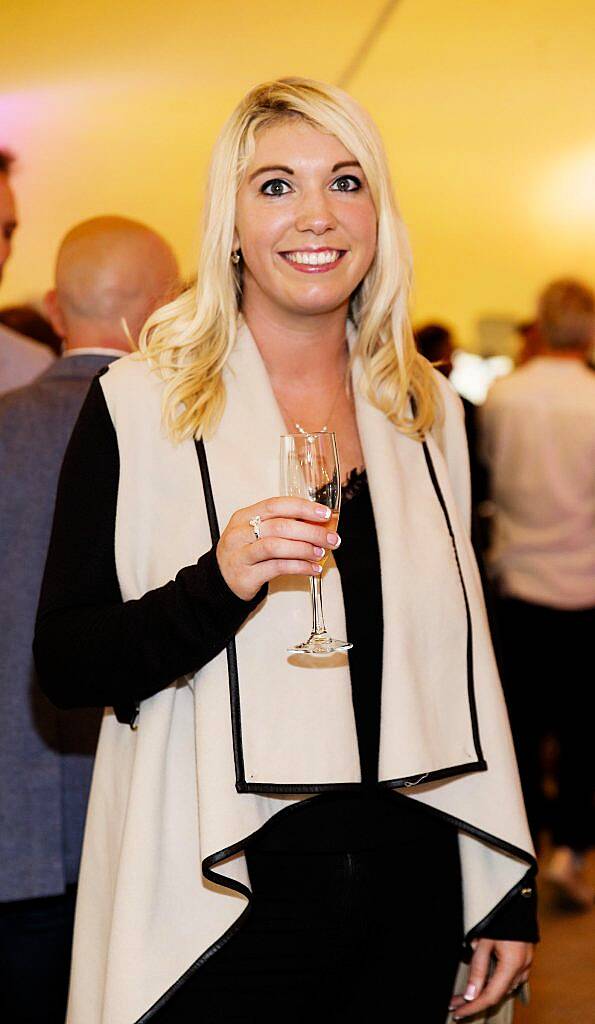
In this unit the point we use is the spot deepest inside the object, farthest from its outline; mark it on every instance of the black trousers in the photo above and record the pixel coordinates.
(547, 671)
(35, 945)
(346, 937)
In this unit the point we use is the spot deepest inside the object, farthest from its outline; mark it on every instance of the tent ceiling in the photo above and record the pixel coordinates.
(486, 109)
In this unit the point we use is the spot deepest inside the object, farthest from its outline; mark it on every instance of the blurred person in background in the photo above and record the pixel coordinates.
(108, 270)
(530, 341)
(435, 342)
(538, 430)
(27, 320)
(21, 359)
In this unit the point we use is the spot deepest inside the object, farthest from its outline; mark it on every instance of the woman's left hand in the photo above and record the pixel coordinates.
(513, 961)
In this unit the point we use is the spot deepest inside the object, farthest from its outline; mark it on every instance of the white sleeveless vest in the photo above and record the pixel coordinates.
(217, 754)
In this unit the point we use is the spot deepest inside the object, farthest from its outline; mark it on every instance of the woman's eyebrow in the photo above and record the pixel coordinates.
(346, 163)
(277, 167)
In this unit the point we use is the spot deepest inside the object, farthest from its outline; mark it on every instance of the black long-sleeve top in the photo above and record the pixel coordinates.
(93, 649)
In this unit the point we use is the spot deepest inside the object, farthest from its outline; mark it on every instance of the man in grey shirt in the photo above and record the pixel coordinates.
(21, 360)
(539, 443)
(108, 270)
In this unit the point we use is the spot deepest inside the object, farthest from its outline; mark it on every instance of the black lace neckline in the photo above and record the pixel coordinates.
(357, 480)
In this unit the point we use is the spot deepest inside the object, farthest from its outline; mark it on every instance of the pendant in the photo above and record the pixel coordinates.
(323, 430)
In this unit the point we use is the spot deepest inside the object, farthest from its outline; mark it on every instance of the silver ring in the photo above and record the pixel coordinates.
(255, 524)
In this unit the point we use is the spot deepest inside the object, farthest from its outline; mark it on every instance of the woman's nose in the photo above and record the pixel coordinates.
(315, 214)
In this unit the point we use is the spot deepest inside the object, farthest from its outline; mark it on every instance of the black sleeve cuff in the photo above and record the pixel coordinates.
(516, 919)
(226, 607)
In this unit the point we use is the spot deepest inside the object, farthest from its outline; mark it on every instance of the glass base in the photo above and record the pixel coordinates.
(321, 646)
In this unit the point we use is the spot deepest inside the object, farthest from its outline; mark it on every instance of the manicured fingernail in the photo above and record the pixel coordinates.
(469, 992)
(316, 568)
(333, 539)
(319, 552)
(323, 512)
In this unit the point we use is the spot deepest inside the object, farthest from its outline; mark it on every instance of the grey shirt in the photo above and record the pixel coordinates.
(45, 754)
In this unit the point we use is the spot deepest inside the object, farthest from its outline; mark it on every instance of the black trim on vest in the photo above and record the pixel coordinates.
(208, 490)
(230, 883)
(408, 781)
(470, 671)
(242, 784)
(232, 657)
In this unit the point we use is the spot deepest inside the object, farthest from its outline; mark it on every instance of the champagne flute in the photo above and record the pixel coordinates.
(310, 469)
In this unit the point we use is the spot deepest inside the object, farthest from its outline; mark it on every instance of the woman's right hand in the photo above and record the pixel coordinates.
(294, 535)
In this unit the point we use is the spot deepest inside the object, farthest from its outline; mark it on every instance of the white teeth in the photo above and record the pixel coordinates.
(313, 259)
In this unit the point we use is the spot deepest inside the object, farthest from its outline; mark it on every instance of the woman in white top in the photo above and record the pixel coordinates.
(280, 838)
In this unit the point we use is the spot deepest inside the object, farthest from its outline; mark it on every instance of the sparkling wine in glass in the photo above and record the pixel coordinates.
(310, 469)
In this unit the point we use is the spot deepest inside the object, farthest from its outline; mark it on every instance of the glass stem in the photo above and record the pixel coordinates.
(318, 626)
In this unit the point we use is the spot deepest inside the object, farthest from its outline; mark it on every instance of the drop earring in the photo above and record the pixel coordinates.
(235, 257)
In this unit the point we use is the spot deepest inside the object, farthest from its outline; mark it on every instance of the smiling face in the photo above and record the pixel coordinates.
(305, 222)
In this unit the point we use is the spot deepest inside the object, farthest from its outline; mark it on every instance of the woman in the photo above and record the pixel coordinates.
(281, 838)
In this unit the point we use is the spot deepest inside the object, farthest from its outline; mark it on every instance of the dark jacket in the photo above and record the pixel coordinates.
(45, 754)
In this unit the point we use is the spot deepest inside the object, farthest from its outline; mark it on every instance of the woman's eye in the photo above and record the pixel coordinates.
(275, 187)
(347, 183)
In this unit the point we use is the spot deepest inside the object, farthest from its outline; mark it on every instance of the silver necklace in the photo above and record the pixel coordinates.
(324, 429)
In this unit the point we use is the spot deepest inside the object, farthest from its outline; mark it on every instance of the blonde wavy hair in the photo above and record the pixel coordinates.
(189, 340)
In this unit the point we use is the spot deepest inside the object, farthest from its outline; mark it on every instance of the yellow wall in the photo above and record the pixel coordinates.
(486, 107)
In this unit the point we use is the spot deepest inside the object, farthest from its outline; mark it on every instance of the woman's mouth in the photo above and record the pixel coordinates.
(313, 261)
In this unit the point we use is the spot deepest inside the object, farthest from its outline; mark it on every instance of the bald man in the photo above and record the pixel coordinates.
(111, 274)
